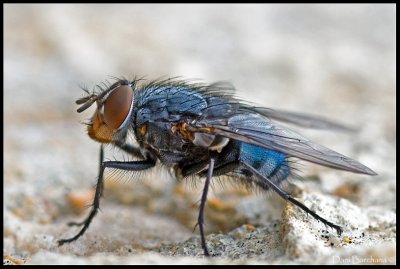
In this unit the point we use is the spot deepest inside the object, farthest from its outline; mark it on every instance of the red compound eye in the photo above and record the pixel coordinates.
(117, 106)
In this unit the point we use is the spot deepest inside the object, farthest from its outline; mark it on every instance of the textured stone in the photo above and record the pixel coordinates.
(336, 61)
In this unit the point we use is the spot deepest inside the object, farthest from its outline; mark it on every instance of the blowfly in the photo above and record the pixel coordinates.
(203, 130)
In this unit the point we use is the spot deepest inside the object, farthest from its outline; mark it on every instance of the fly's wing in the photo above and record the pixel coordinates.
(302, 120)
(257, 130)
(295, 118)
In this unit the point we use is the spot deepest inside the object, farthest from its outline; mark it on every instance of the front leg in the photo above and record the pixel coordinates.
(133, 150)
(131, 166)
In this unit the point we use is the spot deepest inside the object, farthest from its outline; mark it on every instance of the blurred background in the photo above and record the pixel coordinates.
(336, 61)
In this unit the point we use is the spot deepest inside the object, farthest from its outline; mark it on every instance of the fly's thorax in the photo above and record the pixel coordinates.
(112, 116)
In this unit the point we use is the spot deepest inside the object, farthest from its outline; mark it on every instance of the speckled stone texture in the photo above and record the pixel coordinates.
(336, 61)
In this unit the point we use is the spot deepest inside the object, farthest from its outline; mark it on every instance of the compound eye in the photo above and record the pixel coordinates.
(117, 106)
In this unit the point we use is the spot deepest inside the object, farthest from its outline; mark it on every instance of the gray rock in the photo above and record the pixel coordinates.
(336, 61)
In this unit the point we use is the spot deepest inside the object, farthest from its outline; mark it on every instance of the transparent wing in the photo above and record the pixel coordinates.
(303, 120)
(295, 118)
(258, 130)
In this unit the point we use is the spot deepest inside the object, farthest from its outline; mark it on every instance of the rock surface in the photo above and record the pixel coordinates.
(336, 61)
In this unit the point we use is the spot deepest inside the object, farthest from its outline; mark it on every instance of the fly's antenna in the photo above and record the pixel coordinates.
(89, 100)
(86, 101)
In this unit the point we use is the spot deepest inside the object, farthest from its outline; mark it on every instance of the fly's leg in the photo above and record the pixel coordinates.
(200, 220)
(131, 166)
(99, 191)
(95, 205)
(287, 196)
(218, 164)
(338, 229)
(201, 169)
(224, 162)
(135, 151)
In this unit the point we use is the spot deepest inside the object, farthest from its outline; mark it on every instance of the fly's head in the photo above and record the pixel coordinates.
(111, 119)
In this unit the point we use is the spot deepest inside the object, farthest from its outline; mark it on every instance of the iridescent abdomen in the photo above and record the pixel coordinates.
(269, 163)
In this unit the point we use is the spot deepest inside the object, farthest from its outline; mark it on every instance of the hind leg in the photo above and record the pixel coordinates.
(266, 183)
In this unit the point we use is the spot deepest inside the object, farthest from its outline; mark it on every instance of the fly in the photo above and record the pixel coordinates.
(203, 130)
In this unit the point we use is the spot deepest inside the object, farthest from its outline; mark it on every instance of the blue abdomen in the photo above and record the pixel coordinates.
(271, 164)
